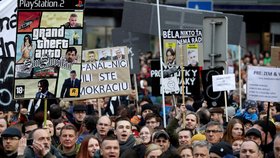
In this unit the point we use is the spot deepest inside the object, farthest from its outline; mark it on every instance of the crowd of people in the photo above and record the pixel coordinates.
(123, 126)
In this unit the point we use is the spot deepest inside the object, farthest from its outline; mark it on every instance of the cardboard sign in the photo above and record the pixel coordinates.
(105, 72)
(223, 82)
(263, 84)
(8, 16)
(192, 47)
(49, 48)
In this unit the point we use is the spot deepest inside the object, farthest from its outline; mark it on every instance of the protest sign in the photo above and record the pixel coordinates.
(191, 42)
(214, 99)
(105, 72)
(8, 13)
(48, 50)
(8, 16)
(223, 82)
(263, 84)
(6, 80)
(191, 79)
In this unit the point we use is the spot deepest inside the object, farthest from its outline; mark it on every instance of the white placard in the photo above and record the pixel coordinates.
(263, 84)
(170, 84)
(8, 16)
(223, 82)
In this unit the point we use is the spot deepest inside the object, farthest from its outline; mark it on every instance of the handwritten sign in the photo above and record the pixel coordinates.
(223, 82)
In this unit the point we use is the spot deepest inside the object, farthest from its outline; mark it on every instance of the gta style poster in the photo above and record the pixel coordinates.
(48, 49)
(105, 72)
(192, 47)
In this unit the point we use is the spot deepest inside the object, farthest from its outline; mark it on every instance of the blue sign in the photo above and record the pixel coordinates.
(200, 4)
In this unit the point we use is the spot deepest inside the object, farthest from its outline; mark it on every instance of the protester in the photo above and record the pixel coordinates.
(88, 147)
(10, 139)
(68, 137)
(214, 132)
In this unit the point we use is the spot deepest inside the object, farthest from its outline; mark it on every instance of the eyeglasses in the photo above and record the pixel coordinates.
(213, 131)
(10, 138)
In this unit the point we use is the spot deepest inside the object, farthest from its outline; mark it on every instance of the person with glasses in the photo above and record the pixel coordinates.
(10, 139)
(103, 126)
(152, 120)
(214, 132)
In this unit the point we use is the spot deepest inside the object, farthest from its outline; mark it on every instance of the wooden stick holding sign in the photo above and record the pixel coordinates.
(45, 111)
(138, 110)
(183, 83)
(225, 82)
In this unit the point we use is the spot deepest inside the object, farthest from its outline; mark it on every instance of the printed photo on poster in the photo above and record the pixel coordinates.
(118, 54)
(75, 36)
(28, 20)
(104, 54)
(25, 48)
(192, 54)
(49, 50)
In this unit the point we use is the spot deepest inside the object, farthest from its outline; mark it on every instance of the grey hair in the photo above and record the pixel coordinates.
(215, 123)
(202, 144)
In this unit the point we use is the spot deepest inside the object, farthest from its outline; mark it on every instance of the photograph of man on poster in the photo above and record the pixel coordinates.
(118, 54)
(71, 86)
(91, 56)
(43, 90)
(192, 58)
(71, 55)
(72, 23)
(170, 56)
(105, 55)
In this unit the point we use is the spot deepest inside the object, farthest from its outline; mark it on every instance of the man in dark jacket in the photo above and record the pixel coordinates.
(41, 146)
(124, 134)
(10, 140)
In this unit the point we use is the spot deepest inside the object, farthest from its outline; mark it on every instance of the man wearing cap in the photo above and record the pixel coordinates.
(10, 139)
(216, 114)
(220, 150)
(79, 113)
(161, 138)
(254, 135)
(145, 109)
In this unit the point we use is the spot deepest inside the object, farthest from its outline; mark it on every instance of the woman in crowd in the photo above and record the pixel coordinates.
(146, 135)
(88, 147)
(153, 151)
(235, 129)
(185, 151)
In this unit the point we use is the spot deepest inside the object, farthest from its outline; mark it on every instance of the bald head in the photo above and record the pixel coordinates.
(249, 149)
(103, 125)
